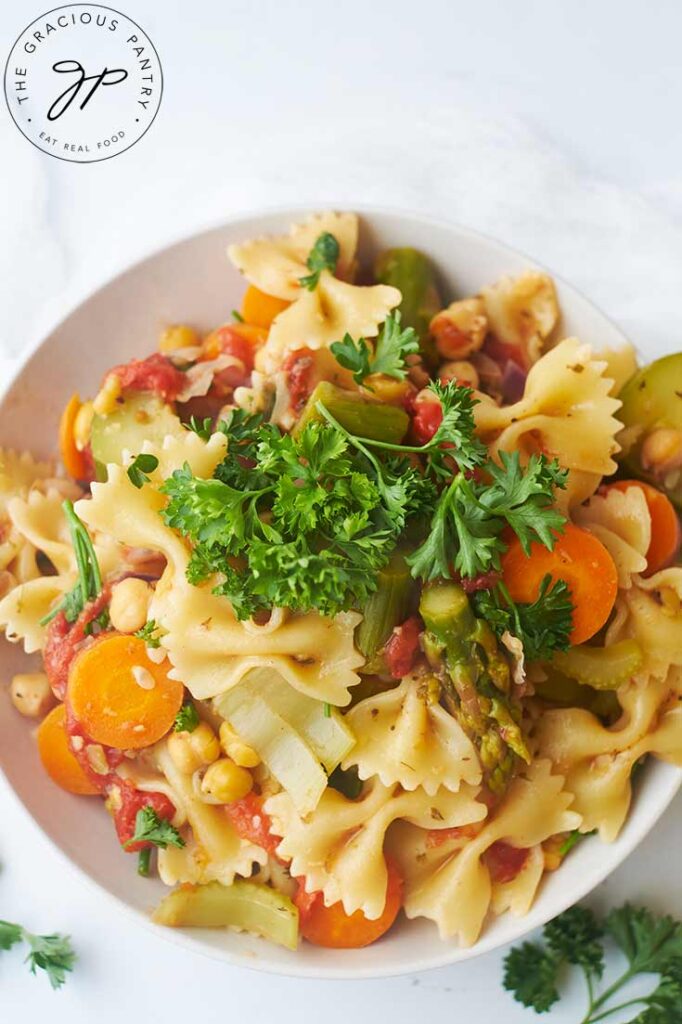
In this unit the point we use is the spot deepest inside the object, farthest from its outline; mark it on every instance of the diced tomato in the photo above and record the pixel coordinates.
(79, 742)
(504, 861)
(156, 373)
(65, 639)
(299, 366)
(437, 836)
(470, 585)
(230, 340)
(402, 647)
(501, 352)
(334, 928)
(131, 801)
(427, 418)
(252, 823)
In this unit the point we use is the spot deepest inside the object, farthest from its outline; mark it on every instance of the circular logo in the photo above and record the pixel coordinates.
(83, 82)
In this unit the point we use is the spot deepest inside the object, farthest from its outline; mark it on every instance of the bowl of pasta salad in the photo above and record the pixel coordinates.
(341, 593)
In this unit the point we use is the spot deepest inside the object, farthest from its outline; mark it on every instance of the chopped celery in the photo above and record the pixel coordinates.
(246, 906)
(560, 690)
(280, 746)
(140, 417)
(602, 668)
(327, 734)
(476, 678)
(386, 608)
(357, 414)
(411, 272)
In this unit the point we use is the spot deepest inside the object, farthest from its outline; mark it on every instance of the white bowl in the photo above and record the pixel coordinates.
(192, 281)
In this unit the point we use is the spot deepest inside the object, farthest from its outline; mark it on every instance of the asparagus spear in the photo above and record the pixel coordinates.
(476, 680)
(375, 420)
(386, 608)
(412, 273)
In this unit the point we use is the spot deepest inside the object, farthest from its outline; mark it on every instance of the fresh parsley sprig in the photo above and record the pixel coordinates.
(324, 255)
(392, 347)
(139, 468)
(202, 428)
(89, 584)
(651, 944)
(151, 633)
(542, 627)
(187, 718)
(50, 953)
(150, 828)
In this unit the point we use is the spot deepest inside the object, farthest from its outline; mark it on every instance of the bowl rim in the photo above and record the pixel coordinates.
(451, 953)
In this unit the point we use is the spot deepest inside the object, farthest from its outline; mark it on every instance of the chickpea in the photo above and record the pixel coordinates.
(129, 604)
(106, 401)
(31, 694)
(225, 781)
(193, 750)
(459, 370)
(662, 450)
(242, 754)
(178, 336)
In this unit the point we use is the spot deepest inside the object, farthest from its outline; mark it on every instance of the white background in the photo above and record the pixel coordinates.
(552, 125)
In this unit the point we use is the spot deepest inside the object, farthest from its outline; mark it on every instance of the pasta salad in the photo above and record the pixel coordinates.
(362, 604)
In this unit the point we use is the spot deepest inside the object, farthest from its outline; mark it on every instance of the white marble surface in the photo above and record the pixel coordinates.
(551, 125)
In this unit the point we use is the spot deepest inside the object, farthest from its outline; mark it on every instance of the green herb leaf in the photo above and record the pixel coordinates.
(50, 953)
(572, 839)
(576, 936)
(650, 943)
(150, 828)
(390, 351)
(542, 627)
(236, 315)
(89, 584)
(530, 973)
(10, 934)
(150, 633)
(324, 255)
(139, 468)
(144, 861)
(187, 718)
(202, 428)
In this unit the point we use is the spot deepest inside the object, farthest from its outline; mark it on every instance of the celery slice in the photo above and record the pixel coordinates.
(359, 415)
(246, 906)
(602, 668)
(281, 748)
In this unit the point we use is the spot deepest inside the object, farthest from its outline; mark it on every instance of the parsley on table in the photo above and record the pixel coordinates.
(140, 467)
(187, 718)
(202, 428)
(324, 255)
(50, 953)
(89, 583)
(150, 633)
(542, 627)
(651, 944)
(390, 350)
(150, 828)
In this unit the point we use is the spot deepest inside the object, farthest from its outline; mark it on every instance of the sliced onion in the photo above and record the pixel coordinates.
(513, 382)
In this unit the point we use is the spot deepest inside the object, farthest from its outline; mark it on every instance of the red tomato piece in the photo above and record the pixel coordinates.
(402, 647)
(64, 640)
(156, 373)
(298, 367)
(438, 836)
(504, 861)
(250, 822)
(79, 742)
(131, 801)
(427, 418)
(227, 340)
(501, 352)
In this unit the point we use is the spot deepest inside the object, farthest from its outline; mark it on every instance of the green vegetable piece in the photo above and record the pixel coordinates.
(150, 828)
(347, 782)
(247, 906)
(144, 861)
(356, 414)
(139, 468)
(652, 399)
(324, 255)
(569, 693)
(477, 680)
(187, 718)
(386, 608)
(602, 668)
(412, 273)
(140, 417)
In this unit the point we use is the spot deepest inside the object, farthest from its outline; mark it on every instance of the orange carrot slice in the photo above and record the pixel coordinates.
(665, 525)
(261, 309)
(579, 559)
(120, 697)
(334, 928)
(58, 759)
(74, 461)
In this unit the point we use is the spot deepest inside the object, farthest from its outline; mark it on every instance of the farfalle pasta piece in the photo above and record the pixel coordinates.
(201, 456)
(622, 522)
(566, 411)
(18, 472)
(516, 896)
(24, 606)
(403, 737)
(650, 612)
(276, 265)
(597, 760)
(322, 316)
(219, 853)
(522, 311)
(338, 849)
(453, 887)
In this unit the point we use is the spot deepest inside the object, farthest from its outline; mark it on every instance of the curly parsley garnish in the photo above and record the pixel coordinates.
(652, 945)
(151, 633)
(324, 255)
(542, 627)
(150, 828)
(388, 357)
(187, 718)
(50, 953)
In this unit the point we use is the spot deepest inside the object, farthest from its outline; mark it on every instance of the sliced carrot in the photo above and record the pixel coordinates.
(120, 697)
(579, 559)
(665, 525)
(74, 461)
(240, 340)
(334, 928)
(58, 759)
(261, 309)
